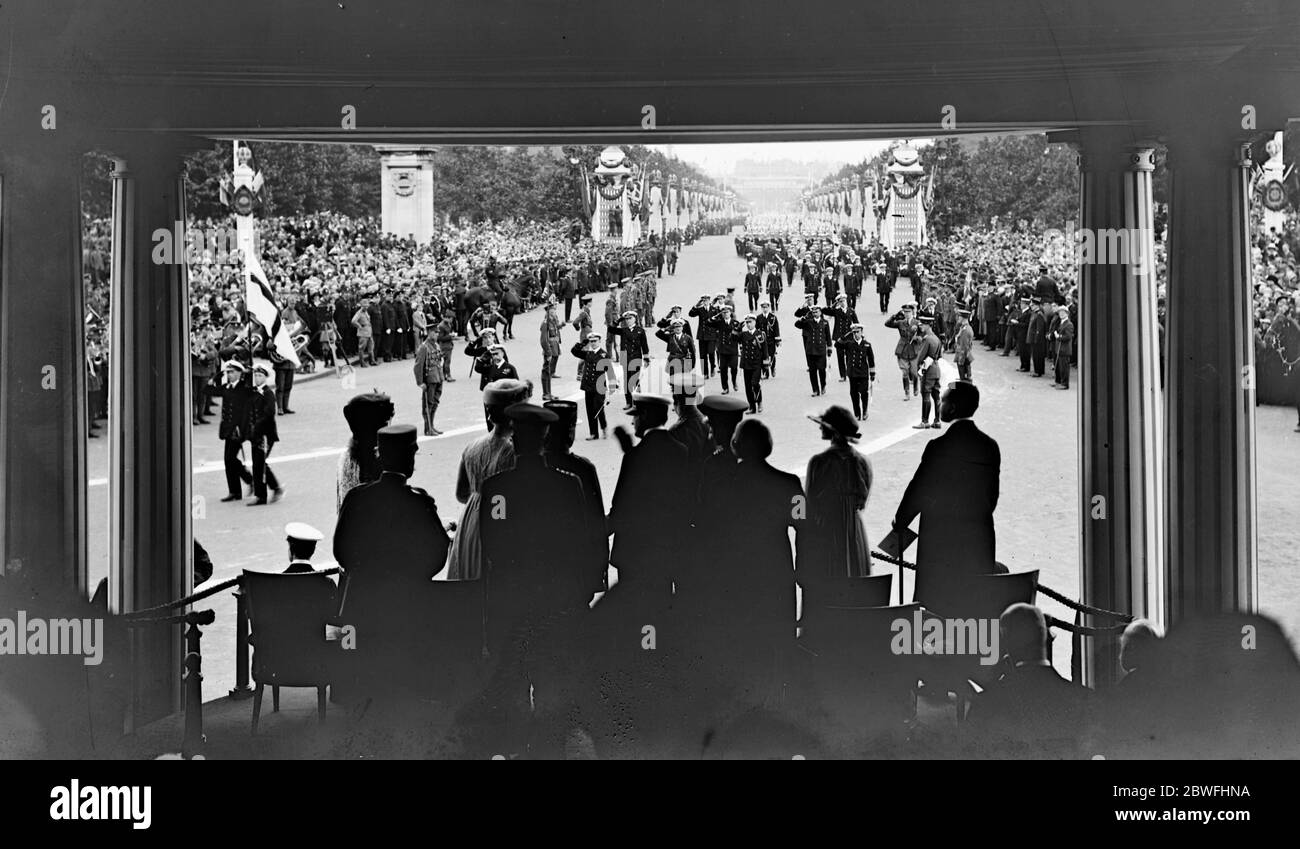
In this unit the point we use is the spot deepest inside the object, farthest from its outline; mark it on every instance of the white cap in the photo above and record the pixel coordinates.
(302, 531)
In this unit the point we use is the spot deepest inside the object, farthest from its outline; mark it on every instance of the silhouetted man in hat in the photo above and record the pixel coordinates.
(530, 519)
(390, 542)
(650, 509)
(559, 455)
(954, 491)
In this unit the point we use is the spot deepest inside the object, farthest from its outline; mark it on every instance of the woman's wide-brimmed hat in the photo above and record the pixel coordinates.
(368, 412)
(839, 420)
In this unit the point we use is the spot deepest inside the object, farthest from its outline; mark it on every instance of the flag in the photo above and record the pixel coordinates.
(261, 303)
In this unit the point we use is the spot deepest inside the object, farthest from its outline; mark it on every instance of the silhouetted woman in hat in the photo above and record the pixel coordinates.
(838, 484)
(366, 415)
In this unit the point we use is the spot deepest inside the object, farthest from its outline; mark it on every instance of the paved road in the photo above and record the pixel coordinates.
(1036, 426)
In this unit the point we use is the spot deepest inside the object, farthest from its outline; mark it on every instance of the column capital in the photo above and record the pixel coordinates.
(135, 151)
(1112, 149)
(1229, 148)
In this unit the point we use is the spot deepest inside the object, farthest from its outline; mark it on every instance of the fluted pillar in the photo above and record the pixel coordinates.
(149, 420)
(1121, 432)
(1211, 395)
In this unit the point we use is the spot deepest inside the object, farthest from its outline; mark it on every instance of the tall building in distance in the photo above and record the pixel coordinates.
(775, 185)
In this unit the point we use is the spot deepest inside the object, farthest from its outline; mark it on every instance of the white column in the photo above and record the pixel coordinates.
(1121, 411)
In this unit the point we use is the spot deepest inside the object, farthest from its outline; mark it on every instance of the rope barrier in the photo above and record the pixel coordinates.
(202, 594)
(197, 617)
(1079, 606)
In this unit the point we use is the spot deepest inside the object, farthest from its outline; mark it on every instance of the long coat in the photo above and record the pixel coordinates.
(838, 484)
(954, 491)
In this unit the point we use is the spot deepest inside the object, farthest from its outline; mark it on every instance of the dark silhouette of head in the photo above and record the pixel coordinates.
(1023, 632)
(530, 425)
(752, 441)
(397, 448)
(560, 436)
(1138, 644)
(960, 401)
(651, 412)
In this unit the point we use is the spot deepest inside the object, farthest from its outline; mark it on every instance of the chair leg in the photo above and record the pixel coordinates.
(320, 703)
(275, 698)
(257, 705)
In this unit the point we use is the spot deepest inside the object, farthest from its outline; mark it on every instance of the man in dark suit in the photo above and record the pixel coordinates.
(390, 542)
(1036, 337)
(559, 455)
(1020, 322)
(954, 491)
(649, 511)
(530, 517)
(1030, 711)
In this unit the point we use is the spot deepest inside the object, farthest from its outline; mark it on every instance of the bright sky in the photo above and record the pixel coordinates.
(719, 159)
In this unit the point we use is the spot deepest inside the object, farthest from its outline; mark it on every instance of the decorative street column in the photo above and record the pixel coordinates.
(406, 198)
(1121, 430)
(149, 434)
(1211, 380)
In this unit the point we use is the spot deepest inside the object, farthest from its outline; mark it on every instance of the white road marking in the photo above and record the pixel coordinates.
(210, 468)
(880, 443)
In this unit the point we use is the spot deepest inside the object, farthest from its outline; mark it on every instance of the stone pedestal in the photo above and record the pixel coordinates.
(406, 176)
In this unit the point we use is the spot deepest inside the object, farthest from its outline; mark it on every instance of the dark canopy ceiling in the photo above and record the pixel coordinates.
(542, 70)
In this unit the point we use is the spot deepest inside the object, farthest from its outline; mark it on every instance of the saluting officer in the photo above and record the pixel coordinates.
(635, 349)
(704, 311)
(816, 347)
(752, 345)
(596, 382)
(860, 359)
(681, 348)
(904, 321)
(928, 353)
(725, 329)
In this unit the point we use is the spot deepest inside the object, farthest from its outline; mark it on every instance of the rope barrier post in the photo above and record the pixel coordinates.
(192, 745)
(899, 568)
(1076, 643)
(242, 689)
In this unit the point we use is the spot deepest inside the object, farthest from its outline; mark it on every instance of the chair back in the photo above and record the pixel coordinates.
(287, 613)
(987, 596)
